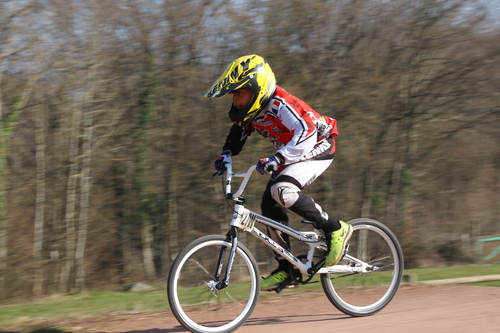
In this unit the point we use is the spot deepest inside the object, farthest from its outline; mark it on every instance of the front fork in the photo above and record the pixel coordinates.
(231, 237)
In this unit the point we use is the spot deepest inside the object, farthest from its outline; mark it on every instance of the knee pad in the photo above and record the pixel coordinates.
(286, 194)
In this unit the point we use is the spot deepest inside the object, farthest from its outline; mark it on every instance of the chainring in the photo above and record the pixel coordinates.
(297, 276)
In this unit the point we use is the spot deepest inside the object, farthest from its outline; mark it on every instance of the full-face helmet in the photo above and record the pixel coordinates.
(253, 72)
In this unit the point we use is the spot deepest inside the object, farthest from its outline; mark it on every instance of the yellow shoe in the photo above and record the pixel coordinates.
(276, 279)
(336, 243)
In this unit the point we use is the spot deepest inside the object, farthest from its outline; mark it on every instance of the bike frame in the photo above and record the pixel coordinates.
(245, 220)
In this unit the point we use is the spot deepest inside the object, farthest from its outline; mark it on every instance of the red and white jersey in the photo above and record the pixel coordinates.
(297, 131)
(294, 127)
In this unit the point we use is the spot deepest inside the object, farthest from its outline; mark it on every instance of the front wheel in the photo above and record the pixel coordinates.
(359, 291)
(192, 290)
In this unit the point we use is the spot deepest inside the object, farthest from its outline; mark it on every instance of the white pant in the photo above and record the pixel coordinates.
(293, 178)
(284, 188)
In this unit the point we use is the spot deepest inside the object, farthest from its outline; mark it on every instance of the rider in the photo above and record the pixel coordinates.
(304, 144)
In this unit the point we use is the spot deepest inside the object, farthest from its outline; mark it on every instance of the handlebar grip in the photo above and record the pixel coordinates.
(221, 171)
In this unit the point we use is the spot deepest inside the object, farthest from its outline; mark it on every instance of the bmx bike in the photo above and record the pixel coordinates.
(214, 282)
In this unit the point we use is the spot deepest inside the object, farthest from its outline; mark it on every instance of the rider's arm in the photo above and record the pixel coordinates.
(236, 139)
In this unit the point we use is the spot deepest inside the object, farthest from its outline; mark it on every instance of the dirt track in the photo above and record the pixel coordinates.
(416, 308)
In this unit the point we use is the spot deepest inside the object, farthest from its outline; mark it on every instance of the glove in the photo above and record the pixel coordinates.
(224, 158)
(266, 165)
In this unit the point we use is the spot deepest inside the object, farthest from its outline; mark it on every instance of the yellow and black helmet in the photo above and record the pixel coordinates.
(253, 72)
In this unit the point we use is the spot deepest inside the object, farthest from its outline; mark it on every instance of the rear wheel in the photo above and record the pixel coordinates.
(366, 293)
(192, 290)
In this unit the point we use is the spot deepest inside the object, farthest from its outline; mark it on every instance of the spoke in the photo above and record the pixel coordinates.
(386, 268)
(234, 301)
(379, 259)
(200, 265)
(215, 293)
(342, 276)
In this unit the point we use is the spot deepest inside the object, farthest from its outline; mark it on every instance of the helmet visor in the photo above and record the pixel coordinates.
(222, 87)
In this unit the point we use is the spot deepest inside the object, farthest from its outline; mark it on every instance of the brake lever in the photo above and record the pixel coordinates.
(220, 172)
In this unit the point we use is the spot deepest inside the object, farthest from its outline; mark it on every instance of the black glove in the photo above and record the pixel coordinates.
(224, 158)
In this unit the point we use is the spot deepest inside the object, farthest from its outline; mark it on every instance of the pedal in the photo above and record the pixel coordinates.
(285, 285)
(292, 286)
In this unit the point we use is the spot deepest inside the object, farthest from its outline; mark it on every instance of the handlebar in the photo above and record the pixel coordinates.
(229, 174)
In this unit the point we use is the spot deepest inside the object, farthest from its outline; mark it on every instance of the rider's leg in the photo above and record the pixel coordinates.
(291, 197)
(286, 190)
(281, 193)
(271, 209)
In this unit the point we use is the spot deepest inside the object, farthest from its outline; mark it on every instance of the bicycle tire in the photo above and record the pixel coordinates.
(200, 308)
(364, 294)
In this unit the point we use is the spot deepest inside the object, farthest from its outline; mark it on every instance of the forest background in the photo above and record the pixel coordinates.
(107, 143)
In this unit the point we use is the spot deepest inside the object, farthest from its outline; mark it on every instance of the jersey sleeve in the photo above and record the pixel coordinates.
(236, 139)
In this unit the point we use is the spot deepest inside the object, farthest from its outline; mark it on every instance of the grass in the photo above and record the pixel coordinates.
(427, 274)
(90, 304)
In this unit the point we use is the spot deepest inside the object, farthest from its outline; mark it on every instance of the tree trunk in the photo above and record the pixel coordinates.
(71, 201)
(40, 203)
(173, 219)
(147, 248)
(3, 195)
(397, 167)
(368, 193)
(84, 202)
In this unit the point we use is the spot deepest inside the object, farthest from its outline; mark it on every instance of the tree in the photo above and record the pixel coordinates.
(8, 14)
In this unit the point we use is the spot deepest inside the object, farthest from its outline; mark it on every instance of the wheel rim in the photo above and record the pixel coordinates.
(207, 314)
(367, 293)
